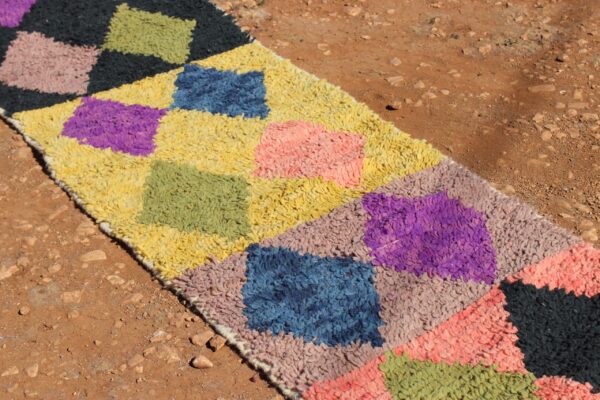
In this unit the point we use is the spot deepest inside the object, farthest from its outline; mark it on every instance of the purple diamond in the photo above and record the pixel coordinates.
(432, 235)
(108, 124)
(12, 11)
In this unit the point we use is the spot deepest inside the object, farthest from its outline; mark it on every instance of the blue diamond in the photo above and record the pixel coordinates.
(221, 92)
(321, 299)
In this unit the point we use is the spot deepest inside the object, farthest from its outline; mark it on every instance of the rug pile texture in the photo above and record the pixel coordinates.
(338, 254)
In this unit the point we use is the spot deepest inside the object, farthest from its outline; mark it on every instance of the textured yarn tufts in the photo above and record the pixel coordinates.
(342, 256)
(221, 92)
(328, 300)
(425, 380)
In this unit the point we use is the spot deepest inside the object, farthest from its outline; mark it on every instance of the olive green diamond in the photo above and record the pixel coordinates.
(134, 31)
(408, 379)
(182, 197)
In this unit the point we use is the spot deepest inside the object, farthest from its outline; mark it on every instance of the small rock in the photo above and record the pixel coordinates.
(86, 228)
(42, 228)
(538, 118)
(149, 351)
(562, 58)
(353, 11)
(486, 49)
(72, 314)
(7, 272)
(71, 297)
(134, 298)
(395, 61)
(395, 80)
(217, 342)
(135, 360)
(546, 135)
(32, 370)
(94, 255)
(419, 85)
(509, 189)
(14, 370)
(167, 353)
(115, 280)
(54, 268)
(445, 92)
(590, 235)
(201, 362)
(23, 261)
(542, 88)
(561, 135)
(159, 336)
(202, 338)
(24, 310)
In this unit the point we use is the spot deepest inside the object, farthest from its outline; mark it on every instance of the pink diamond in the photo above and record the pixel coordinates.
(50, 66)
(297, 149)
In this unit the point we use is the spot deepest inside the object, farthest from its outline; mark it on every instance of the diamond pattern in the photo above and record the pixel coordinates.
(221, 92)
(186, 199)
(106, 124)
(131, 39)
(134, 31)
(432, 235)
(298, 149)
(52, 67)
(12, 11)
(558, 331)
(328, 300)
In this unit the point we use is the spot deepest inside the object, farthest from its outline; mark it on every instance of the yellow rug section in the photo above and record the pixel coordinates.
(110, 185)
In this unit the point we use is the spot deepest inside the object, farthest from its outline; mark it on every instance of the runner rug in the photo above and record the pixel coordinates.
(338, 254)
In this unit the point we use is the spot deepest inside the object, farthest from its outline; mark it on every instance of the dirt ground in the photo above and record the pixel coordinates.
(507, 88)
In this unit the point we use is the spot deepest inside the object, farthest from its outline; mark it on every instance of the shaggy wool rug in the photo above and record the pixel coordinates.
(338, 254)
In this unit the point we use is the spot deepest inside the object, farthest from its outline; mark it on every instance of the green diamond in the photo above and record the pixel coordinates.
(135, 31)
(408, 379)
(189, 200)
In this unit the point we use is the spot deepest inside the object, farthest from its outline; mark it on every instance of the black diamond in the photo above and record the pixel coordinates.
(114, 69)
(80, 22)
(559, 333)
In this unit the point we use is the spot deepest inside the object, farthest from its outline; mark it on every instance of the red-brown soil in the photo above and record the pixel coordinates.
(464, 74)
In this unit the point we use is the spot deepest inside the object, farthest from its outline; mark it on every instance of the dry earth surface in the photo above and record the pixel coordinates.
(507, 88)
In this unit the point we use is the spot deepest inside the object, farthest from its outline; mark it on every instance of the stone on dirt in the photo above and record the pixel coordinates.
(200, 339)
(201, 362)
(94, 255)
(217, 342)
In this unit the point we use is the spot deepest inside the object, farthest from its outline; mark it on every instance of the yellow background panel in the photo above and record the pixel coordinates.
(111, 185)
